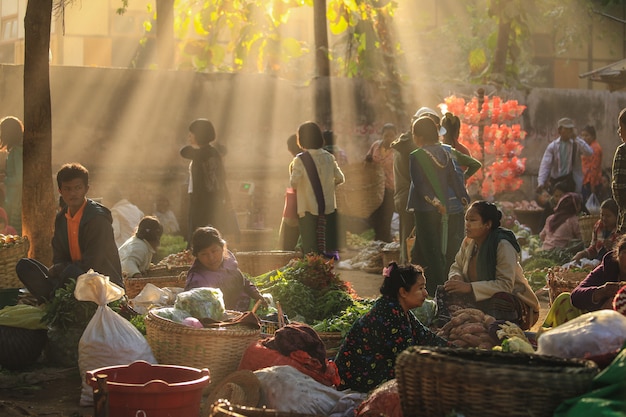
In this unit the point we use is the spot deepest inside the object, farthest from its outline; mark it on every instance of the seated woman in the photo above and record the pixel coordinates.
(136, 253)
(562, 226)
(486, 273)
(597, 291)
(367, 355)
(604, 233)
(216, 267)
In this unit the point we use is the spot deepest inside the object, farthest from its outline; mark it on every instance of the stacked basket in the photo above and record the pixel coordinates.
(363, 191)
(219, 349)
(9, 255)
(435, 381)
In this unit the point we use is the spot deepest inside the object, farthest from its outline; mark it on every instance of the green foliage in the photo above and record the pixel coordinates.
(344, 321)
(139, 321)
(170, 244)
(65, 312)
(308, 288)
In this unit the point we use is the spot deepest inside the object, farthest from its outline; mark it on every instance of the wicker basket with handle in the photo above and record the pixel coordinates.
(219, 349)
(9, 255)
(434, 381)
(586, 224)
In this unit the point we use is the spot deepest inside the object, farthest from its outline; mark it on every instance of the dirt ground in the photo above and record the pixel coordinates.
(55, 392)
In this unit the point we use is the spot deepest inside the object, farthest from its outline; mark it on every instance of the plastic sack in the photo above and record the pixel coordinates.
(203, 302)
(152, 296)
(284, 388)
(593, 204)
(109, 339)
(591, 334)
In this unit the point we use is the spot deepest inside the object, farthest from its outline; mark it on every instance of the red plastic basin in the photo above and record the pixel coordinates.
(155, 390)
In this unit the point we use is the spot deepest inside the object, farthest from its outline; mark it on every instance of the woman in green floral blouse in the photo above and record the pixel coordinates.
(368, 354)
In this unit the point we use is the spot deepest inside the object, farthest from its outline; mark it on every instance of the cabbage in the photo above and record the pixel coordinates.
(203, 302)
(171, 313)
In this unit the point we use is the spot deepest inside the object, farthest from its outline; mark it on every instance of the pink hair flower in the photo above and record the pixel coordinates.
(387, 271)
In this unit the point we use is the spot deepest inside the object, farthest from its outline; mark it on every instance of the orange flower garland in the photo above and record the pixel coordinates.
(501, 143)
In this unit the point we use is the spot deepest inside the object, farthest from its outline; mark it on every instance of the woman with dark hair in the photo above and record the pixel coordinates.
(209, 201)
(437, 198)
(216, 267)
(604, 233)
(368, 354)
(11, 136)
(137, 252)
(314, 174)
(562, 227)
(486, 273)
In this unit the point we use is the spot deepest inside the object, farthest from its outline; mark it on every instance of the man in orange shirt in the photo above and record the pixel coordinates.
(83, 239)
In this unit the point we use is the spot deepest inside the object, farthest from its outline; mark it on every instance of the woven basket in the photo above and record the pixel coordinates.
(332, 342)
(586, 224)
(219, 349)
(362, 192)
(9, 255)
(530, 218)
(391, 256)
(133, 286)
(166, 270)
(435, 381)
(222, 408)
(563, 281)
(20, 347)
(259, 262)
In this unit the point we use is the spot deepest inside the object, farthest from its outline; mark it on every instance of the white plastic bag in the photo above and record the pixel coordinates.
(592, 334)
(593, 204)
(108, 339)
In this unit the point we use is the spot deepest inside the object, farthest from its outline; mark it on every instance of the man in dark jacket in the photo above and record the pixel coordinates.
(83, 239)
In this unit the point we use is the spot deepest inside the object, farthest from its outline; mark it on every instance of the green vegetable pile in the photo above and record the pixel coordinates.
(309, 291)
(169, 244)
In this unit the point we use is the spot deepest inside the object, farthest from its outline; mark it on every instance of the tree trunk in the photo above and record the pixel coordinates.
(165, 33)
(38, 206)
(323, 102)
(502, 47)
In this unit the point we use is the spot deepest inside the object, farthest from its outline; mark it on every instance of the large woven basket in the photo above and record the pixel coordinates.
(434, 381)
(219, 349)
(362, 192)
(259, 262)
(586, 224)
(133, 286)
(9, 255)
(563, 281)
(222, 408)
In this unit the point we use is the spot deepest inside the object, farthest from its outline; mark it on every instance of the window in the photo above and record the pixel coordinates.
(9, 29)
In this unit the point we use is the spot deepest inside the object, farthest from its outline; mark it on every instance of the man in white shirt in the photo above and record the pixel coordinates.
(561, 160)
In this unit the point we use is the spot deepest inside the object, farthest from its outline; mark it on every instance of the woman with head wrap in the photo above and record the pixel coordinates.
(562, 226)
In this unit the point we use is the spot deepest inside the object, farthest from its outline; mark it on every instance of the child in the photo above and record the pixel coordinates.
(216, 267)
(136, 253)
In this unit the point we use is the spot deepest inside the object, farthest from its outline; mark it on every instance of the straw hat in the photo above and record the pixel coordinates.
(240, 388)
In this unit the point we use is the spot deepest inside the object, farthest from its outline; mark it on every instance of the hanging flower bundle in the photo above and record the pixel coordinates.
(501, 145)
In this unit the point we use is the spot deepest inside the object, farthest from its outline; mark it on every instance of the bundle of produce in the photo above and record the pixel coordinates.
(468, 327)
(513, 339)
(308, 289)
